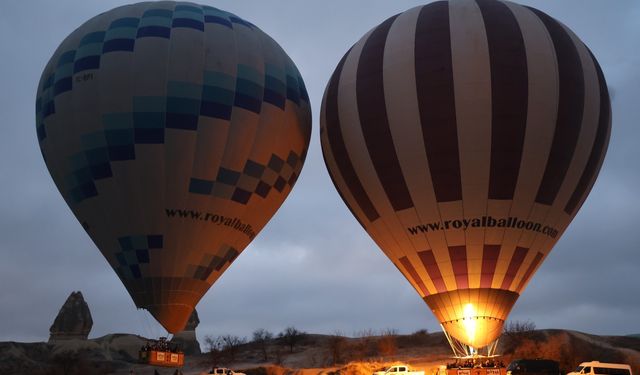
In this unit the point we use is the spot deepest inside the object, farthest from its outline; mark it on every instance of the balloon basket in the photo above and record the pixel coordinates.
(160, 353)
(474, 361)
(160, 358)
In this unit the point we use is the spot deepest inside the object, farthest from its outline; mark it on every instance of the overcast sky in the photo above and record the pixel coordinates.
(313, 266)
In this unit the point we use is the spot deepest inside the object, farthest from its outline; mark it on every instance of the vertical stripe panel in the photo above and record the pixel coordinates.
(392, 223)
(514, 266)
(532, 267)
(340, 193)
(341, 187)
(406, 132)
(458, 255)
(374, 121)
(490, 255)
(557, 217)
(586, 137)
(570, 106)
(434, 84)
(414, 275)
(541, 119)
(472, 89)
(430, 264)
(509, 96)
(599, 147)
(338, 148)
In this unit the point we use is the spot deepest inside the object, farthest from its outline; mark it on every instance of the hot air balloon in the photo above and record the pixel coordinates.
(464, 136)
(174, 131)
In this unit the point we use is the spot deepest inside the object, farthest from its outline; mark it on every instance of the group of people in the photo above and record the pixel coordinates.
(161, 345)
(475, 363)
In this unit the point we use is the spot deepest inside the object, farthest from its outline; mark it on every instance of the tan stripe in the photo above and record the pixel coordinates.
(373, 229)
(587, 135)
(600, 162)
(378, 230)
(541, 118)
(557, 217)
(495, 236)
(531, 254)
(453, 237)
(406, 130)
(472, 87)
(382, 230)
(506, 255)
(358, 152)
(531, 270)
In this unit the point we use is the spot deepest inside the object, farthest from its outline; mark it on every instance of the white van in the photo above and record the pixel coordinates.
(601, 368)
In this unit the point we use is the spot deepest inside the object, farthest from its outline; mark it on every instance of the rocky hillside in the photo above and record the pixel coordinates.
(312, 354)
(103, 355)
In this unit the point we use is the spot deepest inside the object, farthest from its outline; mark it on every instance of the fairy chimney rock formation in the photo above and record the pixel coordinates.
(187, 338)
(73, 321)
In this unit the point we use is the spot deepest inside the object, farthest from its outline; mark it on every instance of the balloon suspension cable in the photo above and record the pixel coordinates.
(461, 350)
(150, 326)
(143, 329)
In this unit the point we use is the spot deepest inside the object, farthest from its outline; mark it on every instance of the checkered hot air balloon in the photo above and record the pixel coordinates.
(464, 136)
(174, 131)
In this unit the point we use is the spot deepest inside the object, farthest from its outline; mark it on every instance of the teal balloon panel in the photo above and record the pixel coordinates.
(174, 131)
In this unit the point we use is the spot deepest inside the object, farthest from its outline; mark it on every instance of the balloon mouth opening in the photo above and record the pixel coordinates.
(173, 317)
(475, 331)
(473, 317)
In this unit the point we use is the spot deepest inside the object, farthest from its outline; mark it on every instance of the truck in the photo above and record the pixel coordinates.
(601, 368)
(399, 370)
(224, 371)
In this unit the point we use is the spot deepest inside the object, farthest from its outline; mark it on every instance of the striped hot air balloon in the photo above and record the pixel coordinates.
(174, 131)
(464, 136)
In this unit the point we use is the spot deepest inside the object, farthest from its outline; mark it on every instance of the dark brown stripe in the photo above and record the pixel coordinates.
(414, 275)
(516, 261)
(527, 275)
(599, 146)
(570, 107)
(436, 101)
(490, 255)
(338, 148)
(458, 256)
(373, 118)
(430, 264)
(509, 96)
(333, 180)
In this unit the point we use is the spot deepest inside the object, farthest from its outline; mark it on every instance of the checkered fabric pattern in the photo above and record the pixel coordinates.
(138, 111)
(212, 262)
(184, 104)
(255, 178)
(122, 35)
(134, 254)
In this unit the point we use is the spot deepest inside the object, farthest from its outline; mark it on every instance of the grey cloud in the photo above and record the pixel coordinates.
(312, 266)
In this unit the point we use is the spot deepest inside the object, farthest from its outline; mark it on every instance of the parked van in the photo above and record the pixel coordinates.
(533, 367)
(601, 368)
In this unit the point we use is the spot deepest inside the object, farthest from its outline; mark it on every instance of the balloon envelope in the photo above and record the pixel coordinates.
(464, 136)
(174, 131)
